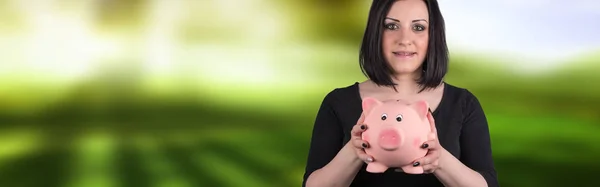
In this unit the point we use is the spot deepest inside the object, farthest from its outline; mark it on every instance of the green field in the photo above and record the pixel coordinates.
(129, 135)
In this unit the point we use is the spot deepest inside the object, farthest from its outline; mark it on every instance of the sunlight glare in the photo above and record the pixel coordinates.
(60, 44)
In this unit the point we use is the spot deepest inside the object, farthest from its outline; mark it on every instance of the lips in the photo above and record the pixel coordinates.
(404, 54)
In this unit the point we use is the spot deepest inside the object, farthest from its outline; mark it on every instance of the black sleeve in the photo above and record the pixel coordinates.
(476, 150)
(327, 138)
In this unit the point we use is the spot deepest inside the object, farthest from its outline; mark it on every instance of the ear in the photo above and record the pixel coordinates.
(369, 103)
(422, 108)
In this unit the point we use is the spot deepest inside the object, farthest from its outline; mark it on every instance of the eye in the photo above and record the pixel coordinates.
(384, 116)
(418, 27)
(399, 118)
(391, 26)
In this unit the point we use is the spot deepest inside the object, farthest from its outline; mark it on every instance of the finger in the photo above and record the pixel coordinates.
(432, 136)
(430, 144)
(431, 122)
(358, 129)
(360, 144)
(363, 156)
(360, 126)
(428, 159)
(427, 168)
(430, 168)
(361, 119)
(420, 162)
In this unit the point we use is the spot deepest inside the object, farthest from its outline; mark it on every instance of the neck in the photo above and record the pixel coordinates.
(406, 84)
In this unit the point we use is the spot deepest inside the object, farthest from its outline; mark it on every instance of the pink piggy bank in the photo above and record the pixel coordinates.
(396, 131)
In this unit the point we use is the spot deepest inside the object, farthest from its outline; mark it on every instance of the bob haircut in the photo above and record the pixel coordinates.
(373, 63)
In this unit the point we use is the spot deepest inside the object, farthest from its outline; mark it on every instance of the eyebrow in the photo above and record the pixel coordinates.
(417, 20)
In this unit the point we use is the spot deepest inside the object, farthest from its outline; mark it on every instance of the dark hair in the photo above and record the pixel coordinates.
(373, 63)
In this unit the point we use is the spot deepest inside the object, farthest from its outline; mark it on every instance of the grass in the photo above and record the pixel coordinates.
(528, 150)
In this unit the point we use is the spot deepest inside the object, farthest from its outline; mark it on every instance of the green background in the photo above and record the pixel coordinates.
(224, 93)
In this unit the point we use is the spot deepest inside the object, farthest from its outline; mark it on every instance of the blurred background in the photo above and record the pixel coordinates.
(219, 93)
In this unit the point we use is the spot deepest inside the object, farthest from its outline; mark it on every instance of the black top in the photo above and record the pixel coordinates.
(460, 121)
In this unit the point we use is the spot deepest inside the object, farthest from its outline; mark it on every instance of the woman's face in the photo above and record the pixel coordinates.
(406, 35)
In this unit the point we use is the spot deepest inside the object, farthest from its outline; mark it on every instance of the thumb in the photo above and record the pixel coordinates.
(432, 122)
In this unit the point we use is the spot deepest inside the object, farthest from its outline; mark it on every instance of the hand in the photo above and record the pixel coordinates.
(430, 162)
(358, 144)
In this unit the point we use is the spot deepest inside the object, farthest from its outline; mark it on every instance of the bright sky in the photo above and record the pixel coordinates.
(546, 30)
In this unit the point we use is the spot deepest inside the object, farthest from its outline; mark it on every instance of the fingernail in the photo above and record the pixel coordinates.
(369, 159)
(416, 164)
(362, 127)
(425, 145)
(364, 145)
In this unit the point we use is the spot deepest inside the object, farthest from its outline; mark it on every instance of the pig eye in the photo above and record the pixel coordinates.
(399, 118)
(384, 116)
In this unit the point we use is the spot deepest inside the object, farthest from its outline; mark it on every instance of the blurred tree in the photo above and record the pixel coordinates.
(110, 93)
(10, 17)
(124, 15)
(328, 21)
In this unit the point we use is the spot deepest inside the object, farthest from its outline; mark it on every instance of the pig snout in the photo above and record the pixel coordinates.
(390, 139)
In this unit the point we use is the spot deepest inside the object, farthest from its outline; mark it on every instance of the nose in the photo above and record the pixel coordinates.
(390, 139)
(404, 36)
(389, 136)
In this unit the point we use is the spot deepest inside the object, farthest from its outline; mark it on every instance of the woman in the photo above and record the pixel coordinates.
(404, 55)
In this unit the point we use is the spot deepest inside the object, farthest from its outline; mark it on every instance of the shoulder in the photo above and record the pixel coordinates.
(460, 92)
(462, 96)
(342, 94)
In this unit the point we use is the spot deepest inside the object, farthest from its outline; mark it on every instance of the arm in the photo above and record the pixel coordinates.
(476, 166)
(339, 172)
(329, 164)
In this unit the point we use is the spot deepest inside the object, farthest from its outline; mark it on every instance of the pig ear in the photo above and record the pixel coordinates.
(422, 108)
(369, 103)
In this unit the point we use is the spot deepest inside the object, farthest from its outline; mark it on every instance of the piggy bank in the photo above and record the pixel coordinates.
(396, 131)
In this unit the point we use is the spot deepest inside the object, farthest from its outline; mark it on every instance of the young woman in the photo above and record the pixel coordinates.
(405, 56)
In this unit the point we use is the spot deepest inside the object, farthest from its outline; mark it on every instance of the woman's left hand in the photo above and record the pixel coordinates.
(430, 162)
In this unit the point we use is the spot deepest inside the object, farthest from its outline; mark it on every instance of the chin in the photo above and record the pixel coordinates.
(405, 68)
(405, 65)
(402, 72)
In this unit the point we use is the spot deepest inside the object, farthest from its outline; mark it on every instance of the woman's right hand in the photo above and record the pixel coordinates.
(357, 143)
